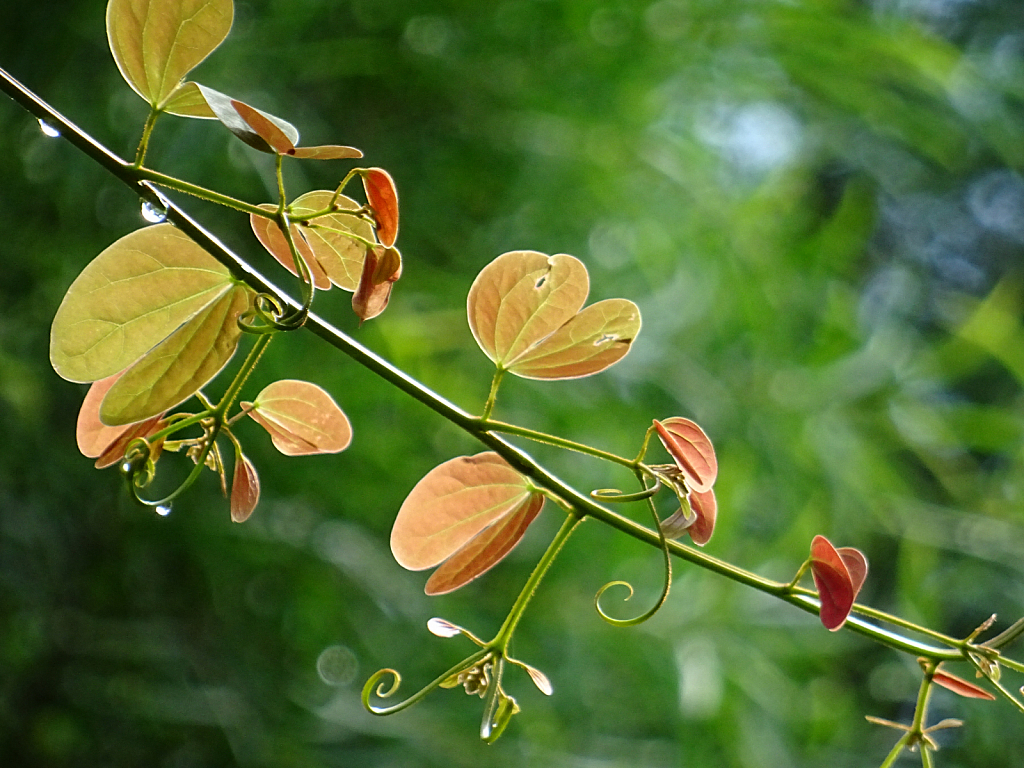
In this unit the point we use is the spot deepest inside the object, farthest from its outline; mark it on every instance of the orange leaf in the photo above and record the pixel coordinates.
(691, 450)
(302, 418)
(326, 152)
(454, 502)
(381, 268)
(382, 196)
(269, 233)
(264, 127)
(486, 549)
(706, 507)
(245, 489)
(961, 687)
(833, 582)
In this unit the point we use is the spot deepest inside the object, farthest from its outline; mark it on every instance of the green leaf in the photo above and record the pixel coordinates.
(301, 418)
(180, 365)
(187, 101)
(453, 503)
(333, 236)
(224, 109)
(129, 299)
(157, 42)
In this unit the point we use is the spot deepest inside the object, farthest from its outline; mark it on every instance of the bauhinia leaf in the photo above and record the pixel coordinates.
(486, 549)
(326, 152)
(187, 101)
(382, 196)
(245, 489)
(265, 127)
(691, 450)
(381, 269)
(272, 238)
(524, 311)
(98, 441)
(157, 42)
(130, 298)
(455, 502)
(301, 418)
(339, 240)
(961, 687)
(180, 365)
(705, 505)
(837, 588)
(224, 107)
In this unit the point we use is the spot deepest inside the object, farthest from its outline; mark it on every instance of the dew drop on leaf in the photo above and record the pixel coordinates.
(48, 130)
(163, 510)
(153, 213)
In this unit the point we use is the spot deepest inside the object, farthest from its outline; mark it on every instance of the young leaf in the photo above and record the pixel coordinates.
(264, 127)
(486, 549)
(302, 418)
(443, 628)
(452, 504)
(704, 504)
(245, 488)
(180, 365)
(836, 587)
(857, 566)
(381, 269)
(272, 238)
(98, 441)
(691, 450)
(187, 101)
(326, 152)
(382, 196)
(334, 237)
(224, 108)
(157, 42)
(131, 297)
(961, 687)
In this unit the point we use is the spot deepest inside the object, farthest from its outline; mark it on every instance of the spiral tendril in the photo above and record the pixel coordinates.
(375, 685)
(615, 496)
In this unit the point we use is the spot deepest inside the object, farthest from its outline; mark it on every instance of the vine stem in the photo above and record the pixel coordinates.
(481, 429)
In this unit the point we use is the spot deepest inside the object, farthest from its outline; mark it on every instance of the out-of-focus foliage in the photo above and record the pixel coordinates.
(817, 207)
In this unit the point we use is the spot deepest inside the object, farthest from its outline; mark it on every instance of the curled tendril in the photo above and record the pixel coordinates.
(138, 469)
(375, 685)
(615, 496)
(269, 315)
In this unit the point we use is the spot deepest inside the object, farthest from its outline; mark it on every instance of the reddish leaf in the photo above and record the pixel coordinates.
(706, 507)
(224, 107)
(245, 489)
(961, 687)
(382, 196)
(381, 268)
(302, 418)
(326, 152)
(452, 504)
(833, 581)
(691, 450)
(856, 564)
(269, 233)
(486, 549)
(266, 129)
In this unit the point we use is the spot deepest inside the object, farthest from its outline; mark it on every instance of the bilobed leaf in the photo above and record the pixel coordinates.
(857, 566)
(486, 549)
(833, 582)
(381, 268)
(98, 441)
(130, 298)
(326, 152)
(330, 236)
(596, 338)
(223, 107)
(705, 505)
(691, 450)
(961, 687)
(265, 127)
(451, 505)
(272, 238)
(157, 42)
(180, 365)
(382, 196)
(521, 298)
(187, 101)
(245, 489)
(302, 418)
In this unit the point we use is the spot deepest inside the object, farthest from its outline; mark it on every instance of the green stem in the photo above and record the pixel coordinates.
(492, 396)
(559, 442)
(262, 341)
(147, 130)
(179, 185)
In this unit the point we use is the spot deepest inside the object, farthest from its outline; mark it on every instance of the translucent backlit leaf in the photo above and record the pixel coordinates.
(302, 418)
(539, 679)
(452, 504)
(486, 549)
(691, 450)
(961, 687)
(596, 338)
(245, 489)
(521, 298)
(382, 196)
(272, 238)
(857, 566)
(180, 365)
(705, 505)
(836, 587)
(187, 101)
(443, 628)
(98, 441)
(381, 268)
(326, 152)
(130, 298)
(338, 240)
(265, 127)
(223, 107)
(157, 42)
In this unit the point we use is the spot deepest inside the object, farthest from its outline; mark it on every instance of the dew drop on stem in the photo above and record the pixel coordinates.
(152, 213)
(163, 510)
(47, 129)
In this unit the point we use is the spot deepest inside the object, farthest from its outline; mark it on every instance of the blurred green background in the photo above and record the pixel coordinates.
(817, 206)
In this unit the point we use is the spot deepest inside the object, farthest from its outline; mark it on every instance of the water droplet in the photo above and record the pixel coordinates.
(48, 130)
(163, 510)
(152, 213)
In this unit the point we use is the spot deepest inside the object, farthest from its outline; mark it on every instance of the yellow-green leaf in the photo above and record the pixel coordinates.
(272, 238)
(451, 505)
(129, 299)
(334, 236)
(522, 297)
(187, 101)
(301, 418)
(179, 366)
(593, 340)
(157, 42)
